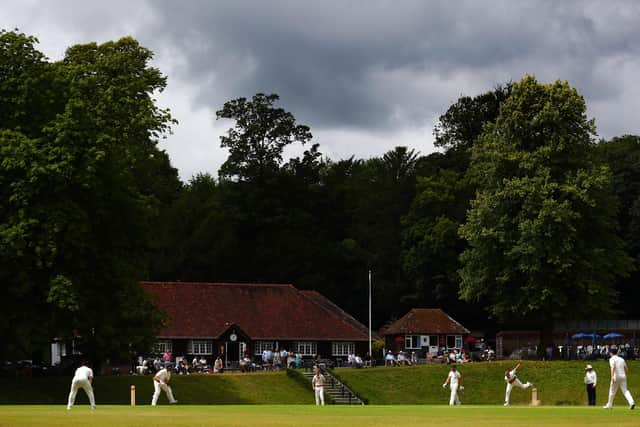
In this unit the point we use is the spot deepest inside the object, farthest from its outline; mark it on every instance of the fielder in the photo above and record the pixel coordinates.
(454, 379)
(82, 379)
(512, 381)
(317, 384)
(619, 372)
(161, 382)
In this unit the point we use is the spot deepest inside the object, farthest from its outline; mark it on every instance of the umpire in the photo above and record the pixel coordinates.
(591, 379)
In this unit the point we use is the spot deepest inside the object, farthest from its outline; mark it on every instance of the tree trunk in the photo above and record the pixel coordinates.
(546, 340)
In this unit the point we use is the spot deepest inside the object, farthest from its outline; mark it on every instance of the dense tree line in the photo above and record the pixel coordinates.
(522, 217)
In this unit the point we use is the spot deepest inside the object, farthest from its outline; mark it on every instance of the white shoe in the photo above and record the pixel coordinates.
(606, 407)
(506, 404)
(173, 403)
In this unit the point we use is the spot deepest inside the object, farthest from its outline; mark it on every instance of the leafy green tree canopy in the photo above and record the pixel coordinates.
(257, 140)
(541, 230)
(82, 182)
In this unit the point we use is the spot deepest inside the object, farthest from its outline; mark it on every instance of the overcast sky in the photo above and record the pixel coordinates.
(364, 75)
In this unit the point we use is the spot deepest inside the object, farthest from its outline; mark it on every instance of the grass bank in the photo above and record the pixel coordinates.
(558, 383)
(248, 388)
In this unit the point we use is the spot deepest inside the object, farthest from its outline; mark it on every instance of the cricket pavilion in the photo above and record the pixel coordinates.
(231, 319)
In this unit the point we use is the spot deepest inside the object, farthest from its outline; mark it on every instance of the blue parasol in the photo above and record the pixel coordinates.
(578, 336)
(612, 335)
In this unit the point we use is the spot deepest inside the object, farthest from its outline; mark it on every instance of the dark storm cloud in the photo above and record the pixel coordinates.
(332, 62)
(365, 75)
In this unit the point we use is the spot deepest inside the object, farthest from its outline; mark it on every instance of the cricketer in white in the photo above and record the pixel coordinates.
(453, 379)
(512, 381)
(161, 382)
(82, 379)
(317, 383)
(618, 379)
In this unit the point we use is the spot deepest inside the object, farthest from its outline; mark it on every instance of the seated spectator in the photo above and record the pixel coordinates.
(357, 362)
(351, 359)
(265, 358)
(390, 359)
(157, 364)
(284, 354)
(245, 363)
(183, 367)
(452, 357)
(195, 365)
(402, 359)
(204, 365)
(270, 358)
(218, 367)
(277, 362)
(414, 357)
(298, 360)
(367, 360)
(143, 368)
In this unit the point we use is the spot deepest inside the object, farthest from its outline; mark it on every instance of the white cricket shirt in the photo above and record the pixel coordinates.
(590, 377)
(453, 377)
(163, 375)
(618, 364)
(83, 373)
(511, 375)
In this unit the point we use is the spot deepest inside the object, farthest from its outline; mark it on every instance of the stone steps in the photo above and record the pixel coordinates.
(338, 392)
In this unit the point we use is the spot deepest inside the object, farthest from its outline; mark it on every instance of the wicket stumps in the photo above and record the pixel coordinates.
(534, 397)
(133, 395)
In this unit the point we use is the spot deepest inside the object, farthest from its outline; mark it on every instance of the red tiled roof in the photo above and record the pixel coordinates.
(329, 305)
(426, 321)
(263, 311)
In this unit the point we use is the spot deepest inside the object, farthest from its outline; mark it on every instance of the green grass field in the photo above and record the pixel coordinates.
(309, 416)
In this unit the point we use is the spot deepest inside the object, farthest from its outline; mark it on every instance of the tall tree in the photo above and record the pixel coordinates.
(541, 230)
(257, 140)
(431, 245)
(82, 194)
(459, 128)
(622, 154)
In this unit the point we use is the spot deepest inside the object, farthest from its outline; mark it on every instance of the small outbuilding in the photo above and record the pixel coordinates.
(425, 331)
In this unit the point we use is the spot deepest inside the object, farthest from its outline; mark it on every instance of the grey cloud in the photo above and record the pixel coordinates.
(321, 57)
(358, 70)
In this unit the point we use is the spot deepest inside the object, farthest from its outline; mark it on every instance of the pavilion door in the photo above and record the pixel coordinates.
(233, 352)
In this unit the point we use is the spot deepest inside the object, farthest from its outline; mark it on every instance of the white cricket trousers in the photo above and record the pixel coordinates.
(319, 396)
(454, 400)
(157, 386)
(510, 387)
(620, 382)
(86, 386)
